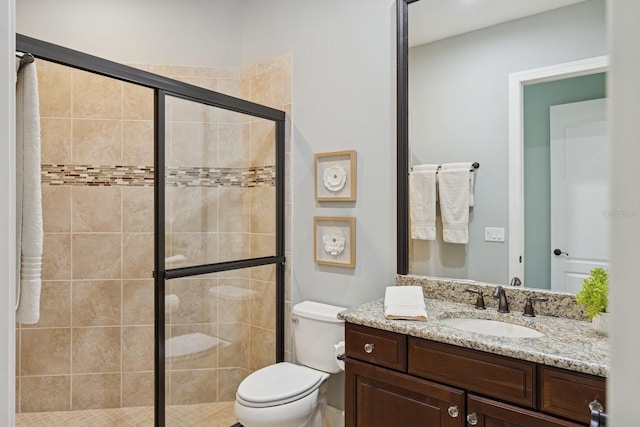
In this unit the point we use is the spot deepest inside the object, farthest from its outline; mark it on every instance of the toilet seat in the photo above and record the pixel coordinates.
(278, 384)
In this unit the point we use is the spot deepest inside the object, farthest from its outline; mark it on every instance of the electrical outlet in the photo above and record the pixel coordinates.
(494, 234)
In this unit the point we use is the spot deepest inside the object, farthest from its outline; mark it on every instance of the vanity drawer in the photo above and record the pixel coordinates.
(557, 384)
(491, 375)
(383, 348)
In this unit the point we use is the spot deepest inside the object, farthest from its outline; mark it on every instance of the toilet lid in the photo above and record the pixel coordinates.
(278, 384)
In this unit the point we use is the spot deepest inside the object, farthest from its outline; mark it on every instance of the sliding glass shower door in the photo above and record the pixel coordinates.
(220, 251)
(218, 235)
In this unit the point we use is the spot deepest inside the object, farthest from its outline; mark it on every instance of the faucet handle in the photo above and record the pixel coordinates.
(479, 300)
(528, 306)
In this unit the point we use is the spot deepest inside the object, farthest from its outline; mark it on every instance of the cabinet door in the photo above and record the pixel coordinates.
(491, 375)
(379, 397)
(569, 394)
(483, 412)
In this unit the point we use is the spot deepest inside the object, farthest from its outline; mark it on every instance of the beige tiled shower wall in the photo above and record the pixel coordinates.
(93, 346)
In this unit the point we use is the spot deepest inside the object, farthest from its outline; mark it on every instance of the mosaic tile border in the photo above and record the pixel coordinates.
(142, 176)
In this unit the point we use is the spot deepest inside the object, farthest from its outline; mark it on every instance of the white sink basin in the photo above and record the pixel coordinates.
(492, 327)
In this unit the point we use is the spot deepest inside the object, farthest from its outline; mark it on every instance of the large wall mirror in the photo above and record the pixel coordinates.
(492, 82)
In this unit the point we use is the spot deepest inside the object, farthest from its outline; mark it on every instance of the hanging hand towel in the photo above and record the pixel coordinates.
(422, 202)
(404, 302)
(28, 195)
(468, 166)
(453, 187)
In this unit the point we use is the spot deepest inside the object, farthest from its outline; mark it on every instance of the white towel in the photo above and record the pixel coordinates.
(453, 190)
(404, 302)
(468, 166)
(28, 195)
(422, 202)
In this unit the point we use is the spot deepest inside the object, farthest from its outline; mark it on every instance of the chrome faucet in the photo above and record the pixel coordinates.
(501, 296)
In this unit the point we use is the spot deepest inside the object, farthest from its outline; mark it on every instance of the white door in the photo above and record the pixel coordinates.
(579, 192)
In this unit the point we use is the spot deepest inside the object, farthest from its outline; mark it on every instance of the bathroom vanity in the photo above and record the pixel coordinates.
(426, 373)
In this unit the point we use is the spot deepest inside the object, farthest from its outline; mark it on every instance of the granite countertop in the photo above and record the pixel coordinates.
(568, 343)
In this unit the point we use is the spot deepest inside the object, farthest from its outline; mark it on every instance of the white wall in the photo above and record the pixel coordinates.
(459, 112)
(186, 32)
(7, 214)
(343, 98)
(624, 89)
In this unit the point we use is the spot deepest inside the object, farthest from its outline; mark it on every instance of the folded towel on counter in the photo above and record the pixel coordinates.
(404, 302)
(453, 187)
(468, 166)
(422, 202)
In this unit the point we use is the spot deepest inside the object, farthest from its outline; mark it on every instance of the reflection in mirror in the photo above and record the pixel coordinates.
(458, 111)
(558, 168)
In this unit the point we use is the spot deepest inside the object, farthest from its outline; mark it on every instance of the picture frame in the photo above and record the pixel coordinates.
(334, 241)
(335, 176)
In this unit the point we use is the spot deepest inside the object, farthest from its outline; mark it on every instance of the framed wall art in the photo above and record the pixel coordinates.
(335, 176)
(334, 240)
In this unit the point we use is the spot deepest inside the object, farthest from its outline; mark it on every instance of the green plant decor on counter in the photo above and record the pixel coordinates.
(594, 292)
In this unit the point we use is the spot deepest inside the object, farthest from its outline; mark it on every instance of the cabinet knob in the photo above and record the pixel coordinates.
(472, 418)
(368, 348)
(454, 411)
(595, 405)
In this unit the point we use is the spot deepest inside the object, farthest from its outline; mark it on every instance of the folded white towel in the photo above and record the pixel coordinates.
(453, 190)
(404, 302)
(468, 166)
(422, 202)
(28, 195)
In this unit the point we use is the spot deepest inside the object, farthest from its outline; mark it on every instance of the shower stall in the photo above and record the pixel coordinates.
(164, 251)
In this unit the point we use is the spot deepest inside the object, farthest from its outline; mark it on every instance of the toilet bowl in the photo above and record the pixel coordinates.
(280, 395)
(294, 395)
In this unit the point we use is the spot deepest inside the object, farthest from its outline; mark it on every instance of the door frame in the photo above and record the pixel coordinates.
(517, 81)
(163, 86)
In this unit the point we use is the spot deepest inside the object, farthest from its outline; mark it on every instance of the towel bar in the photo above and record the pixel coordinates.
(474, 165)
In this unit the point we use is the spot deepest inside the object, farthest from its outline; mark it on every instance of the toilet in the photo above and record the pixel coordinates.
(294, 395)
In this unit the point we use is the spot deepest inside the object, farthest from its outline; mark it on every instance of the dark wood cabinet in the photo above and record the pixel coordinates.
(585, 391)
(392, 379)
(472, 370)
(375, 346)
(380, 397)
(486, 412)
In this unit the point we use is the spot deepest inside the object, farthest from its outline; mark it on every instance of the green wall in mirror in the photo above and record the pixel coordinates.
(538, 98)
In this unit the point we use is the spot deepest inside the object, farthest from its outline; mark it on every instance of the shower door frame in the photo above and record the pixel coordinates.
(162, 87)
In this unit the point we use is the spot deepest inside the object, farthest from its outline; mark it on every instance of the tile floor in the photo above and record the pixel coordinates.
(207, 414)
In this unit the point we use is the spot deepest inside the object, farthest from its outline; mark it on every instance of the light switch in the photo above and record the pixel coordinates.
(494, 234)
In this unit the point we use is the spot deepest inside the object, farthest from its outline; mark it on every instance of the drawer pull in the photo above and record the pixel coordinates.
(595, 405)
(454, 411)
(368, 348)
(472, 418)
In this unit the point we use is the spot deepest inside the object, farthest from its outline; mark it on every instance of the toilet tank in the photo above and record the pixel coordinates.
(316, 330)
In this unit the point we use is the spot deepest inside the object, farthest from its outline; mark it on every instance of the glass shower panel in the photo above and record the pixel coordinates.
(219, 328)
(93, 346)
(220, 185)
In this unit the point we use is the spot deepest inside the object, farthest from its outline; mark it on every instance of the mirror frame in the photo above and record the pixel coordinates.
(402, 156)
(517, 81)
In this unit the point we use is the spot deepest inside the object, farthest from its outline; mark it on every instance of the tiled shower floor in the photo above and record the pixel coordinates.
(207, 414)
